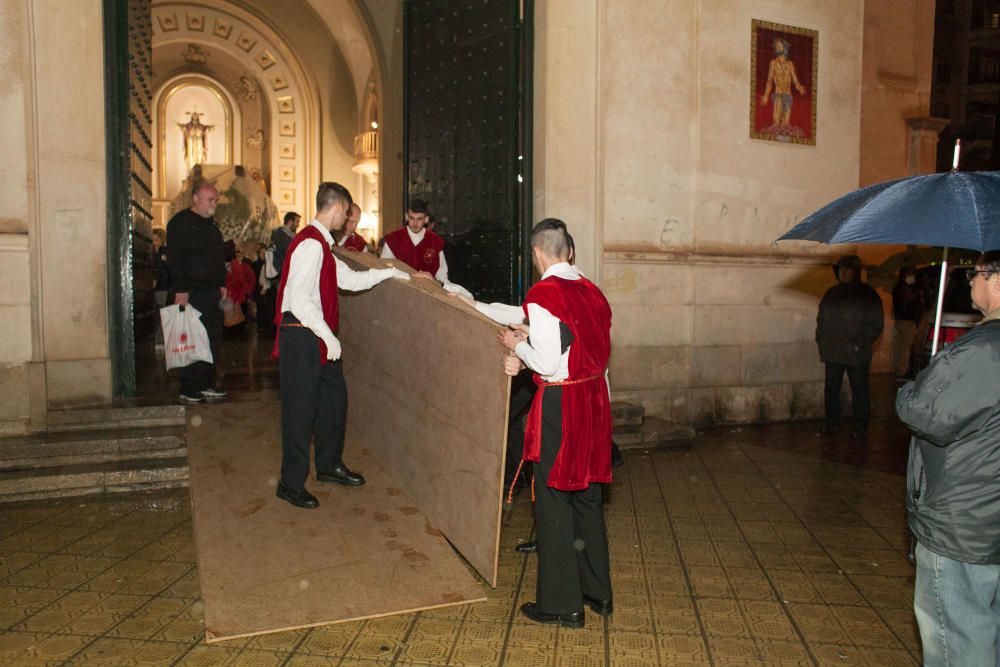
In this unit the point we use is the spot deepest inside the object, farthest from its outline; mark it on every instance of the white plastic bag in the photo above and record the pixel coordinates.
(185, 340)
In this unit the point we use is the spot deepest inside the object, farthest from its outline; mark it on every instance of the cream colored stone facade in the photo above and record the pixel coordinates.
(641, 144)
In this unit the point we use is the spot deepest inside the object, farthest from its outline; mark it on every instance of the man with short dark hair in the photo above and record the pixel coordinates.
(197, 263)
(953, 486)
(568, 433)
(313, 392)
(419, 247)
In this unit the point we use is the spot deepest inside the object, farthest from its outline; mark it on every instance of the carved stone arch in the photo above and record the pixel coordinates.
(162, 96)
(293, 141)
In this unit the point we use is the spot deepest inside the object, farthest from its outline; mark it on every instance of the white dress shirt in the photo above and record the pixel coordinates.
(301, 296)
(442, 273)
(543, 352)
(501, 313)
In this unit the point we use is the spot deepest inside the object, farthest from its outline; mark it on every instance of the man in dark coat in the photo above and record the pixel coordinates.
(953, 486)
(198, 270)
(849, 322)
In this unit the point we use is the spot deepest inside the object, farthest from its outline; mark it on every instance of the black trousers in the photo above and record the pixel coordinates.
(522, 390)
(857, 376)
(200, 375)
(313, 405)
(569, 526)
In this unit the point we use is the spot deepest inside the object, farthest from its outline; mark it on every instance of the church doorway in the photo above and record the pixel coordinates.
(264, 102)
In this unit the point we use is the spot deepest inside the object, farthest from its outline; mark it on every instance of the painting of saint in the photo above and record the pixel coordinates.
(783, 61)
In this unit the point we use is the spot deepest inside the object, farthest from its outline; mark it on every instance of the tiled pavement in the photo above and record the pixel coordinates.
(760, 545)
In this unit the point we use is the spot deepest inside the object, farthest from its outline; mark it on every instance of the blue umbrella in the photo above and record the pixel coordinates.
(954, 209)
(958, 209)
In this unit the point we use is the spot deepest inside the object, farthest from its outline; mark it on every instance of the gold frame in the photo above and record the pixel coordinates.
(755, 26)
(161, 113)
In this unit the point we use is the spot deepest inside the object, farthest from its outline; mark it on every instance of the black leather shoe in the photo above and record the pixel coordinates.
(602, 607)
(301, 498)
(527, 547)
(616, 455)
(341, 475)
(574, 620)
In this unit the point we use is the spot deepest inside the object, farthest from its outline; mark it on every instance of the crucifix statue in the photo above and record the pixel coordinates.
(195, 140)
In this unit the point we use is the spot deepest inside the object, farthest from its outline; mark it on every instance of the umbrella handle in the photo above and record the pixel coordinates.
(940, 302)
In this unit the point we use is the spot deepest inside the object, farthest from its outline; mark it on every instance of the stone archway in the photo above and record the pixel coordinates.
(285, 84)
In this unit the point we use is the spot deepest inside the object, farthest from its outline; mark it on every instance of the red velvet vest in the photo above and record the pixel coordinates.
(327, 286)
(355, 242)
(585, 452)
(425, 256)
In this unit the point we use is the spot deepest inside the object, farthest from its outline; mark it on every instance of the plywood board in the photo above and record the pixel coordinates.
(266, 566)
(429, 399)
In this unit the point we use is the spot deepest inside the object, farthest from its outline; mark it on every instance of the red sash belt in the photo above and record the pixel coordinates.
(542, 384)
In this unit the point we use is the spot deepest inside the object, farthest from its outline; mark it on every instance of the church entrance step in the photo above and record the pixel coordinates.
(626, 414)
(82, 480)
(62, 448)
(653, 432)
(100, 418)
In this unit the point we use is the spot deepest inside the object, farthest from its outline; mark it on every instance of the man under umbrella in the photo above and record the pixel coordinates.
(953, 486)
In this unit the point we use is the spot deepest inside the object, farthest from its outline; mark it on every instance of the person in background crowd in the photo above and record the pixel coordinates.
(161, 280)
(349, 238)
(197, 262)
(909, 303)
(849, 322)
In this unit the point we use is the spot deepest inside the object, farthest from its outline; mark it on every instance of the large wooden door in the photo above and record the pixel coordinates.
(466, 112)
(132, 311)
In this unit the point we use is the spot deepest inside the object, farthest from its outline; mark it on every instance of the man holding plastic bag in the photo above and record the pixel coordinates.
(198, 269)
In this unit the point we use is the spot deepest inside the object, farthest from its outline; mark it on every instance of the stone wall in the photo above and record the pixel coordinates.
(643, 147)
(52, 210)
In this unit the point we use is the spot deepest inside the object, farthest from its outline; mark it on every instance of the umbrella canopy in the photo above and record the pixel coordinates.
(956, 209)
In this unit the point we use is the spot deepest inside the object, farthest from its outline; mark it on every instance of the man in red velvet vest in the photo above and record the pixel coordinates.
(313, 392)
(568, 433)
(419, 247)
(349, 239)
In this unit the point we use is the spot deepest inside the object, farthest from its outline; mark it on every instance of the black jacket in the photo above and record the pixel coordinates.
(953, 476)
(197, 259)
(848, 324)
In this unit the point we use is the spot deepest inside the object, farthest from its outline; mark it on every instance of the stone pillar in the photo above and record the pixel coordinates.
(567, 144)
(67, 185)
(923, 139)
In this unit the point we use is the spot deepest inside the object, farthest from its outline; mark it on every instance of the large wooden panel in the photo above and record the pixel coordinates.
(266, 566)
(428, 398)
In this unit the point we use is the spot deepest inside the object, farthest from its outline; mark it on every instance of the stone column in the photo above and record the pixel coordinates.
(67, 185)
(923, 139)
